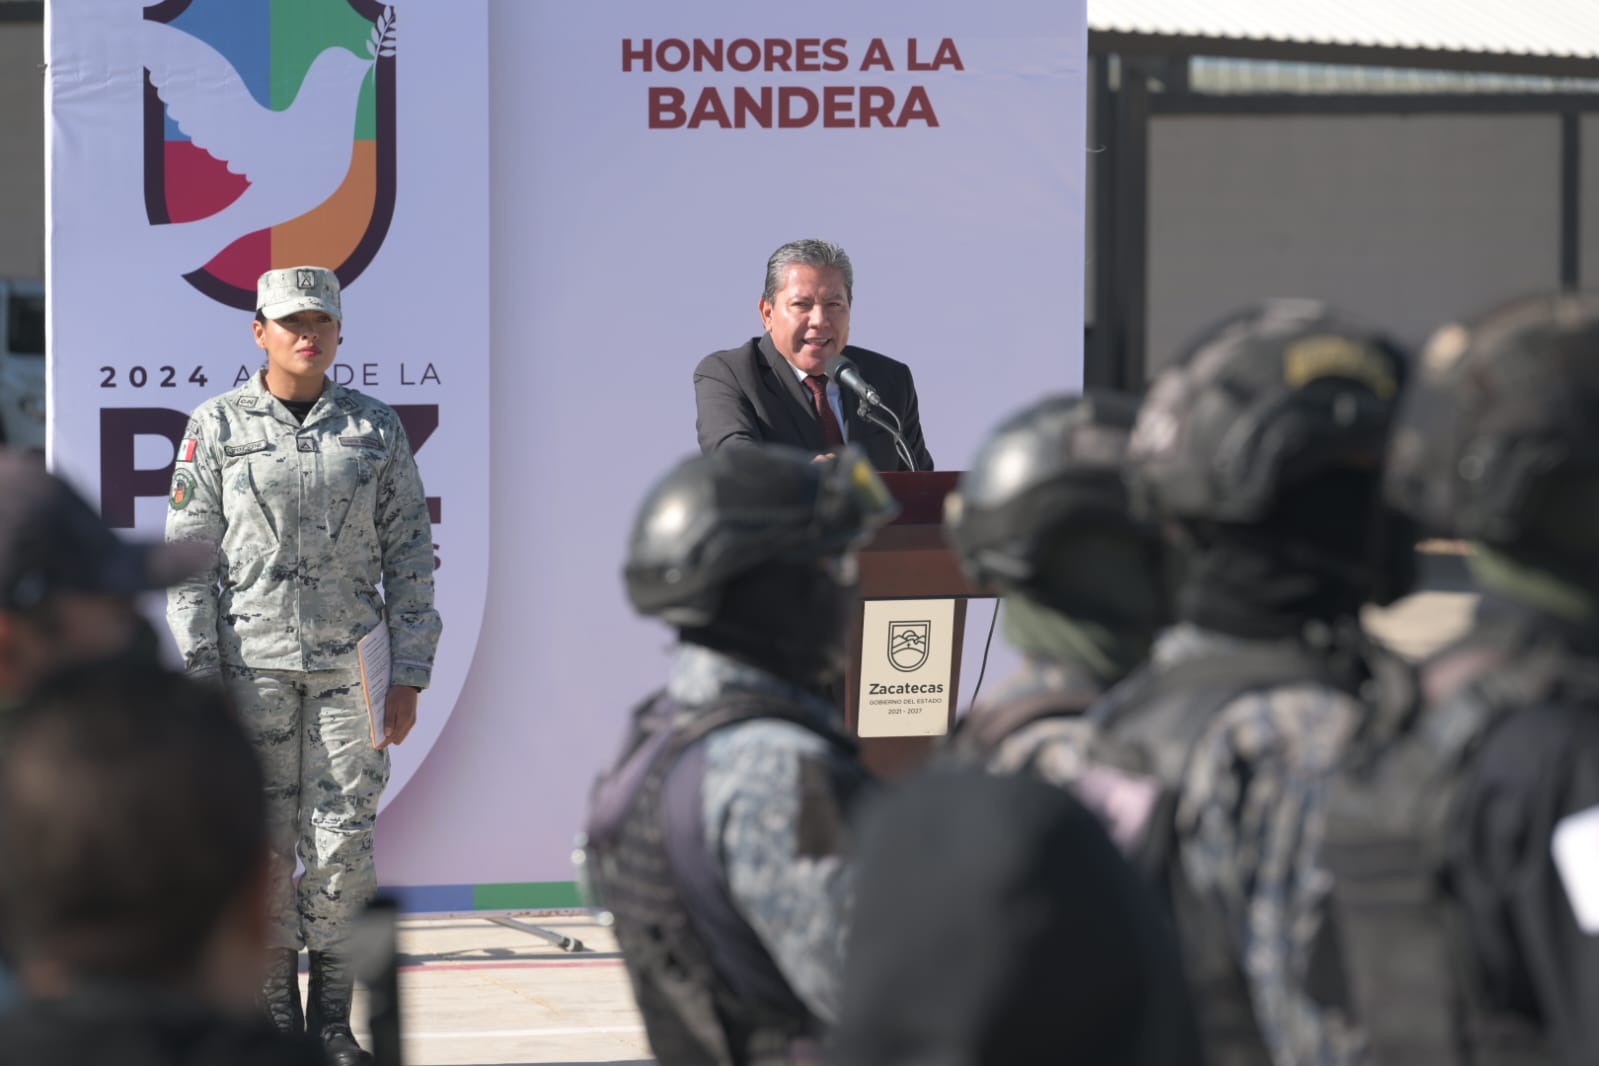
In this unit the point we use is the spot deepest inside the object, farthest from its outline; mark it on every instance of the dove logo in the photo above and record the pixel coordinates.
(269, 138)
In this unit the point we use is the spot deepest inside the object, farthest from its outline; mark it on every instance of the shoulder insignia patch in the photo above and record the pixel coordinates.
(182, 490)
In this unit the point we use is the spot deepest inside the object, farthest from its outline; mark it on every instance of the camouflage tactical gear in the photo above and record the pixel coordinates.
(715, 842)
(1241, 752)
(1393, 823)
(306, 520)
(1042, 515)
(774, 797)
(1036, 710)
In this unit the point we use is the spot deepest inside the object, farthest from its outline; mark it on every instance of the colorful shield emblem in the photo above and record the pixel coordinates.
(269, 137)
(908, 644)
(182, 490)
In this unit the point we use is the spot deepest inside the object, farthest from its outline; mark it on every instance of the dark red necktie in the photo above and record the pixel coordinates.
(834, 436)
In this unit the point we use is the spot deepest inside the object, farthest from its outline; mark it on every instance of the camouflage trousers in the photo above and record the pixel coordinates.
(323, 780)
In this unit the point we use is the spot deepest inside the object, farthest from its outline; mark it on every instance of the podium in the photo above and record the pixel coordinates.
(908, 560)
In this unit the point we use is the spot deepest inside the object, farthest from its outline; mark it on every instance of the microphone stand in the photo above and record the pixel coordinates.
(870, 414)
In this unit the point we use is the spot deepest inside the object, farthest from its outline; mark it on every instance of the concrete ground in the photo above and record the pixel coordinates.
(477, 992)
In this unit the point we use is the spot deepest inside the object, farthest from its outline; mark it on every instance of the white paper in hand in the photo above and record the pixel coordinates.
(374, 655)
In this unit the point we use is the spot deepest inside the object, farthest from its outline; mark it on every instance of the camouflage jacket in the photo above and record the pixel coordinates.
(1050, 747)
(307, 521)
(1251, 817)
(790, 882)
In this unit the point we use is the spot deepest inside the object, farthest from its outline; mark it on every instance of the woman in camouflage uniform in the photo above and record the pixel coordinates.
(310, 495)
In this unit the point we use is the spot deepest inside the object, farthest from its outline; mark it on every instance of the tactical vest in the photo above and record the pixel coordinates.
(1149, 728)
(982, 732)
(1408, 964)
(708, 990)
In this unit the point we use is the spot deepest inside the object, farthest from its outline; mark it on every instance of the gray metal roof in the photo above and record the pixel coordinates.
(1532, 36)
(1228, 76)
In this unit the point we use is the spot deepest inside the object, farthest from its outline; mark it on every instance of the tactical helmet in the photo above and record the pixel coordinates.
(1271, 397)
(1498, 439)
(713, 518)
(1053, 468)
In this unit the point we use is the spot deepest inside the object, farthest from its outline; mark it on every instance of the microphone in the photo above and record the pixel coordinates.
(843, 370)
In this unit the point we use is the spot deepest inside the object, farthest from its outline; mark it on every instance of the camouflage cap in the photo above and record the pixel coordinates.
(52, 541)
(280, 293)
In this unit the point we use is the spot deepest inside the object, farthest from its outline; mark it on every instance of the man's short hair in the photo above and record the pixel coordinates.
(812, 253)
(131, 817)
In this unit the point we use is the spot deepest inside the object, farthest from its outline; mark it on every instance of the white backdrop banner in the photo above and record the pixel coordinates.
(194, 144)
(647, 158)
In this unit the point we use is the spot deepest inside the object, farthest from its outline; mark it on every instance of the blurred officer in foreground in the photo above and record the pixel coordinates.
(134, 883)
(1259, 450)
(717, 840)
(1468, 857)
(68, 584)
(1042, 517)
(995, 924)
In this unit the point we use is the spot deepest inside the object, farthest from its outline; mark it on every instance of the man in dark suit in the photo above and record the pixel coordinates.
(773, 388)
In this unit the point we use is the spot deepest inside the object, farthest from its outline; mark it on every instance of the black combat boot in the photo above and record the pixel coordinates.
(280, 995)
(327, 1009)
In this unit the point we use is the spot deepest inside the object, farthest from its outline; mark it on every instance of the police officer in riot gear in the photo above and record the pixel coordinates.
(717, 838)
(1480, 827)
(1041, 515)
(1259, 452)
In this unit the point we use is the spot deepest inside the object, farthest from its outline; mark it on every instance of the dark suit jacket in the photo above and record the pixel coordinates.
(751, 393)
